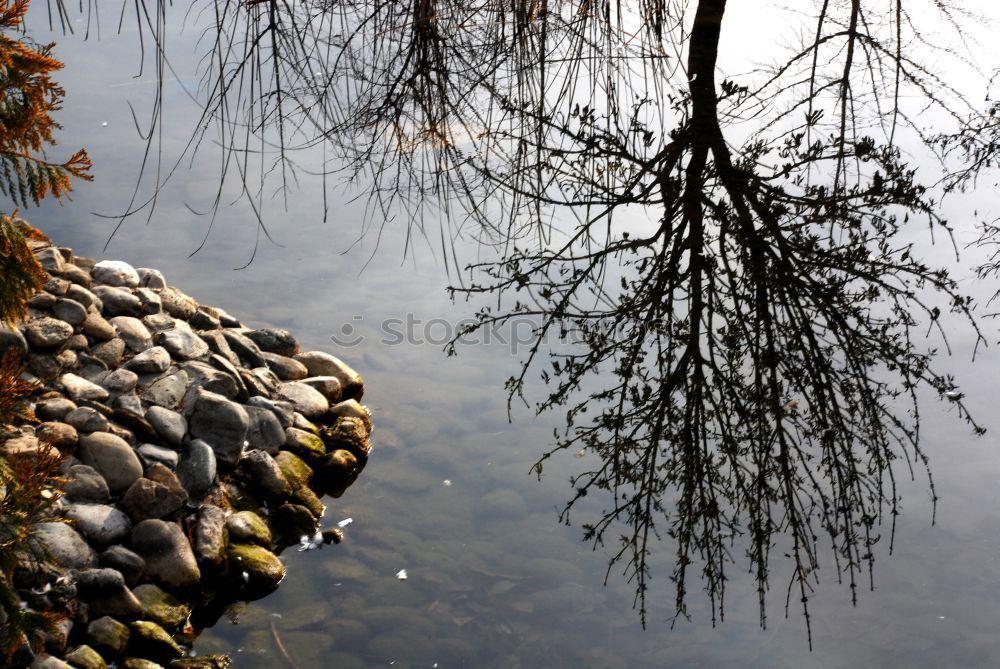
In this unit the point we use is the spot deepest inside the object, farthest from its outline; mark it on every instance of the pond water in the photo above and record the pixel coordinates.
(494, 580)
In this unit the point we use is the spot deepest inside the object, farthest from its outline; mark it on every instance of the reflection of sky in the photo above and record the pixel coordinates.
(936, 598)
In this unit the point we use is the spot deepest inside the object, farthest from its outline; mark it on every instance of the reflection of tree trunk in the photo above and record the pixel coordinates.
(704, 129)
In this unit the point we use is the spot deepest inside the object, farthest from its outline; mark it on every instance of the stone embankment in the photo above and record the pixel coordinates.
(196, 449)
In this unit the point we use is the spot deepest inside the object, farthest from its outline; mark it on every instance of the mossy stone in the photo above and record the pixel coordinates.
(161, 607)
(349, 433)
(151, 640)
(304, 496)
(107, 633)
(85, 657)
(341, 462)
(247, 527)
(294, 520)
(294, 469)
(263, 569)
(305, 444)
(138, 663)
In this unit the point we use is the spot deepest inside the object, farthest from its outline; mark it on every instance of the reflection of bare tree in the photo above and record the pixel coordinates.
(778, 389)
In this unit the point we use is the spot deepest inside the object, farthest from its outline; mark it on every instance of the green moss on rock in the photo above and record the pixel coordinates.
(247, 527)
(304, 496)
(161, 607)
(263, 569)
(85, 657)
(108, 634)
(152, 641)
(294, 469)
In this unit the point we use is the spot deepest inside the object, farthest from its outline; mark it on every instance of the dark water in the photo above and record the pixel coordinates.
(493, 579)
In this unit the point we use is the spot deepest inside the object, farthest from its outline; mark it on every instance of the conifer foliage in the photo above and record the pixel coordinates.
(28, 97)
(22, 275)
(28, 478)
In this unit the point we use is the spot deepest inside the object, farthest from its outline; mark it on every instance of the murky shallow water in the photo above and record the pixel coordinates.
(493, 579)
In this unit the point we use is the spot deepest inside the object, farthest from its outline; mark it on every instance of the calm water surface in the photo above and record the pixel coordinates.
(494, 579)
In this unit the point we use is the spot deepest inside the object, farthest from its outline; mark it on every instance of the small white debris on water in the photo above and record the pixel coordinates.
(402, 575)
(446, 483)
(345, 522)
(104, 124)
(246, 577)
(276, 615)
(307, 543)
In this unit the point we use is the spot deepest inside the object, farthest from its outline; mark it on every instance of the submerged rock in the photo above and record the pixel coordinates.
(202, 662)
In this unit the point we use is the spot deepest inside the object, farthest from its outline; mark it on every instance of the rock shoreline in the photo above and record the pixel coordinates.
(196, 450)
